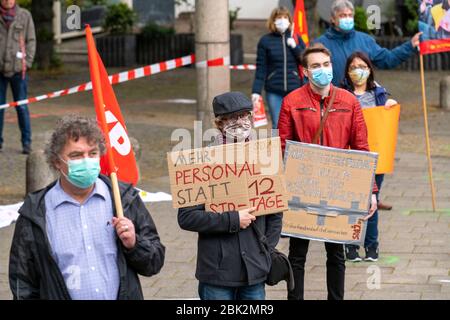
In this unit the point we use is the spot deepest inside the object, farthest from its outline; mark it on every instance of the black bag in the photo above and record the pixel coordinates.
(280, 268)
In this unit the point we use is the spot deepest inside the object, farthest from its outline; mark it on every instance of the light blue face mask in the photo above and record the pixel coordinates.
(322, 77)
(82, 173)
(346, 24)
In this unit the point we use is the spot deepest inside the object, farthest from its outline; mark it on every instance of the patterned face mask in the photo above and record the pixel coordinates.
(359, 76)
(238, 129)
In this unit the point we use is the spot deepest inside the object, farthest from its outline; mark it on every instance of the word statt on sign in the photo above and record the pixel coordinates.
(230, 177)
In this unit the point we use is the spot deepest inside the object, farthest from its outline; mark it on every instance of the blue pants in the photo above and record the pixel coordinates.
(19, 91)
(210, 292)
(274, 101)
(371, 240)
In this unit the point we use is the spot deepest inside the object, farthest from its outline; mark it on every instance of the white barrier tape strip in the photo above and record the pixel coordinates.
(135, 74)
(244, 67)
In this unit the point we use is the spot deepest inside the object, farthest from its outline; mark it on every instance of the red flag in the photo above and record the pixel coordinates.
(119, 157)
(300, 24)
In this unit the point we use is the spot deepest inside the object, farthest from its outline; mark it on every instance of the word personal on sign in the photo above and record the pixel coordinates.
(229, 177)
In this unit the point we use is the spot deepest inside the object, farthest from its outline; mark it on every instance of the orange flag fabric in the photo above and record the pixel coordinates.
(119, 157)
(300, 24)
(382, 126)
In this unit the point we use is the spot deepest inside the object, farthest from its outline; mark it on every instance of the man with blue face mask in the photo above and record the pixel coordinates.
(67, 243)
(342, 40)
(302, 113)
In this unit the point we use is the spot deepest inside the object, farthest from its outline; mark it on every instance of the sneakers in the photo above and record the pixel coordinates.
(383, 206)
(1, 147)
(351, 254)
(26, 149)
(371, 254)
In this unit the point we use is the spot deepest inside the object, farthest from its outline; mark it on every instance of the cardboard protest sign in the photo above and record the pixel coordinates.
(329, 191)
(382, 127)
(300, 223)
(229, 177)
(434, 23)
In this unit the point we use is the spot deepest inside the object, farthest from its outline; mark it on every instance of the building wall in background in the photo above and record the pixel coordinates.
(158, 11)
(250, 9)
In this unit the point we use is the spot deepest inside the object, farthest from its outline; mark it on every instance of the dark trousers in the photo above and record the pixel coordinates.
(298, 249)
(19, 91)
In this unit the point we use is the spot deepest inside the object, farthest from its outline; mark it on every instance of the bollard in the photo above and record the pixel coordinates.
(445, 93)
(38, 173)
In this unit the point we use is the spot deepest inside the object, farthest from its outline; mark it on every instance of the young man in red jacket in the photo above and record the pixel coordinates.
(300, 117)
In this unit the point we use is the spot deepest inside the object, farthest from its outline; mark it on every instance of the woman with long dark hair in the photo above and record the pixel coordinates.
(360, 80)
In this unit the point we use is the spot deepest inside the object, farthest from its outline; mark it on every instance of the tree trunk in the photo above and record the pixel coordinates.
(42, 12)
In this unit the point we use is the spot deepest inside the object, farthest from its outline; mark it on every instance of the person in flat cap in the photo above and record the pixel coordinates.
(233, 112)
(230, 265)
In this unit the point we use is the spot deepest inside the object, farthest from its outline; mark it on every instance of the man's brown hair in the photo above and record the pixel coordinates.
(315, 48)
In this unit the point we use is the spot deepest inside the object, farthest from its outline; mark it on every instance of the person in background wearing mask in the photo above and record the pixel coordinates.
(17, 49)
(277, 62)
(230, 265)
(342, 40)
(67, 243)
(300, 118)
(360, 80)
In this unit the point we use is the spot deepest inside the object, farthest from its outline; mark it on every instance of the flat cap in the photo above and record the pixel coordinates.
(231, 102)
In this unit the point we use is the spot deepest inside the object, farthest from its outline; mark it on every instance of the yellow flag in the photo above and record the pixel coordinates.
(382, 125)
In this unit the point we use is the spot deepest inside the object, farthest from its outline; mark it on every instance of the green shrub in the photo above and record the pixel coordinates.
(152, 30)
(25, 4)
(413, 22)
(119, 19)
(361, 20)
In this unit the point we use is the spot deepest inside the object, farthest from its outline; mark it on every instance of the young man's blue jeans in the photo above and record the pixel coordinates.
(19, 91)
(274, 101)
(210, 292)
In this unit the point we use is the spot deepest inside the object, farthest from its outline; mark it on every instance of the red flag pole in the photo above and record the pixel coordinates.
(100, 105)
(427, 134)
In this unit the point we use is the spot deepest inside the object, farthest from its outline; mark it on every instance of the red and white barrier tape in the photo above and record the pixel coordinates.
(134, 74)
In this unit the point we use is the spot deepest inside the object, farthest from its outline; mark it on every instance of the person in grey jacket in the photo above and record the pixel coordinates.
(68, 243)
(231, 264)
(17, 49)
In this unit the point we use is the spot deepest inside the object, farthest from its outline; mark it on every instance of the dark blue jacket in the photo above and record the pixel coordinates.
(277, 65)
(342, 45)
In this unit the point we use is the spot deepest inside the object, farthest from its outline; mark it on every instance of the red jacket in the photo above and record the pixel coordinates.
(345, 127)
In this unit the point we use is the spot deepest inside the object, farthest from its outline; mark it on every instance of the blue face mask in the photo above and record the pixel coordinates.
(322, 77)
(346, 24)
(83, 172)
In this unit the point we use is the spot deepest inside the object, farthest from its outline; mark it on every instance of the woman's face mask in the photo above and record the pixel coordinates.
(82, 173)
(282, 24)
(238, 129)
(359, 76)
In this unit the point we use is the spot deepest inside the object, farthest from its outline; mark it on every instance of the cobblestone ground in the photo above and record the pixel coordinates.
(414, 241)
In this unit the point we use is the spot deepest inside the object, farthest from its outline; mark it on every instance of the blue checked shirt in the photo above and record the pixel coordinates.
(83, 242)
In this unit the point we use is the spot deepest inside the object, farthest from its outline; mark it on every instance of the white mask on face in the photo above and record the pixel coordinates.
(282, 24)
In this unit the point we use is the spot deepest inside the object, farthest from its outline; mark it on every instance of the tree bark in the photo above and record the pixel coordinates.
(42, 12)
